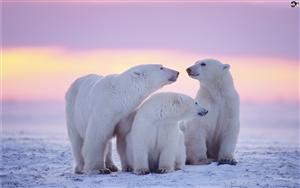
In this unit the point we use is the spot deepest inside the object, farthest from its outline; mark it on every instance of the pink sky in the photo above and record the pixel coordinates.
(47, 45)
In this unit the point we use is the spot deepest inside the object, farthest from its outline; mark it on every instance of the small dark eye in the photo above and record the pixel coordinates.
(161, 68)
(196, 102)
(202, 64)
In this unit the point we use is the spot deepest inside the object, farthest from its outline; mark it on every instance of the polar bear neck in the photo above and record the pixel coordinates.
(223, 87)
(137, 89)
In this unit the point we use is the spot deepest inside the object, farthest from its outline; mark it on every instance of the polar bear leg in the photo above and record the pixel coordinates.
(166, 161)
(196, 150)
(94, 156)
(180, 161)
(181, 155)
(108, 161)
(140, 160)
(76, 143)
(94, 146)
(227, 147)
(121, 147)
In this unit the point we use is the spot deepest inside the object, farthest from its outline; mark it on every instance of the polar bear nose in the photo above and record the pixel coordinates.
(203, 113)
(189, 70)
(191, 73)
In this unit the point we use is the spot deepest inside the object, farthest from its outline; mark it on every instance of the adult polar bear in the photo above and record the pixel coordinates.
(95, 104)
(155, 142)
(214, 136)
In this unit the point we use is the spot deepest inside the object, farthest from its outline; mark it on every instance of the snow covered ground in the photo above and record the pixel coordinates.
(36, 153)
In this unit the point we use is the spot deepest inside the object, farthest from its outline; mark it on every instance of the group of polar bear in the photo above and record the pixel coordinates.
(160, 133)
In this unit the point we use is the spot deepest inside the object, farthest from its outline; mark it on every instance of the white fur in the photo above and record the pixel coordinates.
(155, 141)
(95, 104)
(214, 136)
(122, 130)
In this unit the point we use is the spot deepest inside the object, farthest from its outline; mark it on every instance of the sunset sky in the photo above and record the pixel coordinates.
(46, 45)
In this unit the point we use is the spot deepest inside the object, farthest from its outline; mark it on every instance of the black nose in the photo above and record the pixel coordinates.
(203, 113)
(188, 70)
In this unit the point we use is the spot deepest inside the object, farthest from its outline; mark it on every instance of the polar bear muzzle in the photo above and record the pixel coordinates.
(191, 72)
(203, 112)
(174, 77)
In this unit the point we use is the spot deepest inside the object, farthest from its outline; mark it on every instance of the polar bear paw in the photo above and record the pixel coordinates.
(112, 168)
(227, 161)
(78, 170)
(104, 171)
(142, 171)
(179, 166)
(163, 170)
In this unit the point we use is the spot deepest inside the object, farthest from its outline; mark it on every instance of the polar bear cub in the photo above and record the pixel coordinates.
(155, 142)
(213, 137)
(95, 104)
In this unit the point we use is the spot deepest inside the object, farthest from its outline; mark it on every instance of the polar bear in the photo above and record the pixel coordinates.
(95, 104)
(213, 137)
(122, 130)
(155, 142)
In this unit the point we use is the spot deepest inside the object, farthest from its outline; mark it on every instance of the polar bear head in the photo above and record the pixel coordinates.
(152, 76)
(209, 71)
(184, 107)
(173, 106)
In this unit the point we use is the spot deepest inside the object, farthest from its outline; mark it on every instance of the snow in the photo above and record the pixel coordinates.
(37, 153)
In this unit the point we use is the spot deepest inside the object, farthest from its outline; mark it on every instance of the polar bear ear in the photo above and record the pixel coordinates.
(226, 67)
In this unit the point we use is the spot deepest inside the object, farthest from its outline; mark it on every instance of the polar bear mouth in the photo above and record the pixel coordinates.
(173, 79)
(203, 113)
(193, 74)
(190, 72)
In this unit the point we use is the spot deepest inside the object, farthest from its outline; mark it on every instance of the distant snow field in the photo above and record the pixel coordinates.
(35, 156)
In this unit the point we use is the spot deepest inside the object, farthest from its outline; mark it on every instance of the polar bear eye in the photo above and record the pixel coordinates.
(203, 64)
(196, 103)
(161, 68)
